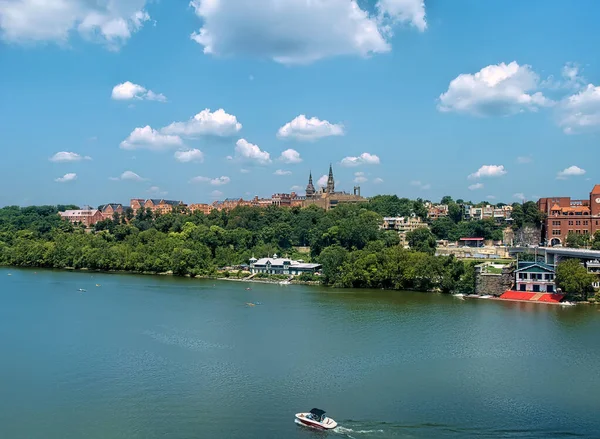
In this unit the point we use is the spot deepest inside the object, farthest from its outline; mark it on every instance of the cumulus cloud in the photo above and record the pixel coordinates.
(206, 123)
(108, 22)
(67, 178)
(149, 138)
(420, 185)
(65, 156)
(290, 156)
(191, 155)
(128, 90)
(131, 176)
(322, 181)
(571, 171)
(296, 188)
(488, 171)
(282, 172)
(571, 78)
(218, 181)
(300, 31)
(580, 112)
(364, 159)
(501, 90)
(476, 186)
(155, 190)
(248, 151)
(311, 129)
(378, 180)
(359, 177)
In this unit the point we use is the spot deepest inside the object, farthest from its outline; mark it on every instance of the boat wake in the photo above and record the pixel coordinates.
(348, 432)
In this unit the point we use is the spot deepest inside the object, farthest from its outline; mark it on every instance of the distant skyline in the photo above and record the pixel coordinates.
(103, 101)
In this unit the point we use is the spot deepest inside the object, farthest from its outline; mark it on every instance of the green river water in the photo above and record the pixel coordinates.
(160, 357)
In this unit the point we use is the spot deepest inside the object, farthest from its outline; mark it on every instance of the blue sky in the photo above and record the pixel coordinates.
(102, 101)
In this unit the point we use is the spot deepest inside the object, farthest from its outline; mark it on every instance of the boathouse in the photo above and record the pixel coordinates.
(277, 265)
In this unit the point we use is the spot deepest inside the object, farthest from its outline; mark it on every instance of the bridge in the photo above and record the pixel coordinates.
(552, 255)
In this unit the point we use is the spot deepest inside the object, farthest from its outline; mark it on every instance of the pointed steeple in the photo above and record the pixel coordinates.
(330, 181)
(310, 189)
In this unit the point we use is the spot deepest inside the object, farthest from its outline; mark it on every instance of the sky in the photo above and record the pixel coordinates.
(106, 100)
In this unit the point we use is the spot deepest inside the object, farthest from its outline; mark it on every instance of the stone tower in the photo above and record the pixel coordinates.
(310, 189)
(330, 182)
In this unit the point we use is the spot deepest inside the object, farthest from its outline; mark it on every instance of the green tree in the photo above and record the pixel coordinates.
(422, 240)
(574, 280)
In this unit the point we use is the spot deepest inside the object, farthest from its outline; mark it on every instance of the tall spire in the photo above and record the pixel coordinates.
(330, 181)
(310, 189)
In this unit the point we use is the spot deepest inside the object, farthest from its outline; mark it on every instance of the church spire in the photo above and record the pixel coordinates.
(330, 181)
(310, 189)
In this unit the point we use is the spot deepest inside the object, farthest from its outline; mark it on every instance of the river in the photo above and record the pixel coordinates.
(161, 357)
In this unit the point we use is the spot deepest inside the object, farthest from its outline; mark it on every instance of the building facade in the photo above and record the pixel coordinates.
(156, 205)
(564, 216)
(285, 266)
(534, 277)
(87, 217)
(403, 225)
(108, 210)
(326, 197)
(200, 207)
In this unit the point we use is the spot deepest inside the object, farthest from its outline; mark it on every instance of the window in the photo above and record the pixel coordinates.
(585, 223)
(555, 232)
(556, 223)
(570, 223)
(577, 223)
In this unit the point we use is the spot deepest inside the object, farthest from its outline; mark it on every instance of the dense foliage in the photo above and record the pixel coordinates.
(347, 240)
(573, 278)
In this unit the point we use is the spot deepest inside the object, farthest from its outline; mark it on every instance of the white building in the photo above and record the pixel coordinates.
(276, 265)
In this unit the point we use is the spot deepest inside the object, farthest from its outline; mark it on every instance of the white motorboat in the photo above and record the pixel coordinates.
(316, 419)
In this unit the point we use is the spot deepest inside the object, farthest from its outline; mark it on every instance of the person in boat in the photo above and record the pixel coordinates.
(316, 415)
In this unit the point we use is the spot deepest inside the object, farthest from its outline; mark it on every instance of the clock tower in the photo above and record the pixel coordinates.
(595, 202)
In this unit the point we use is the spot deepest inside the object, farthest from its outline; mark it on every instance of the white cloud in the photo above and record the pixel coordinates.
(523, 160)
(296, 188)
(131, 176)
(191, 155)
(218, 181)
(359, 177)
(155, 190)
(378, 180)
(364, 159)
(244, 171)
(570, 78)
(207, 123)
(476, 186)
(249, 151)
(300, 31)
(420, 185)
(216, 194)
(519, 196)
(581, 112)
(290, 156)
(65, 156)
(282, 172)
(322, 181)
(501, 89)
(571, 171)
(109, 22)
(67, 178)
(149, 138)
(490, 197)
(128, 90)
(489, 171)
(311, 129)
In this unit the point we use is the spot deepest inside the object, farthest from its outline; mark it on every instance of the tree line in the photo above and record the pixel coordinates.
(347, 241)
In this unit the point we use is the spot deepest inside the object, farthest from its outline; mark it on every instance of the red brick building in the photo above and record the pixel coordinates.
(564, 216)
(108, 210)
(87, 217)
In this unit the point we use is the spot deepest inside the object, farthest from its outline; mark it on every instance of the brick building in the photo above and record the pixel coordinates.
(204, 208)
(564, 216)
(87, 217)
(156, 205)
(108, 210)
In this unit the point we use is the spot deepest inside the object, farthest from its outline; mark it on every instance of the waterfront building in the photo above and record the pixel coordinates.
(534, 277)
(564, 216)
(87, 217)
(277, 265)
